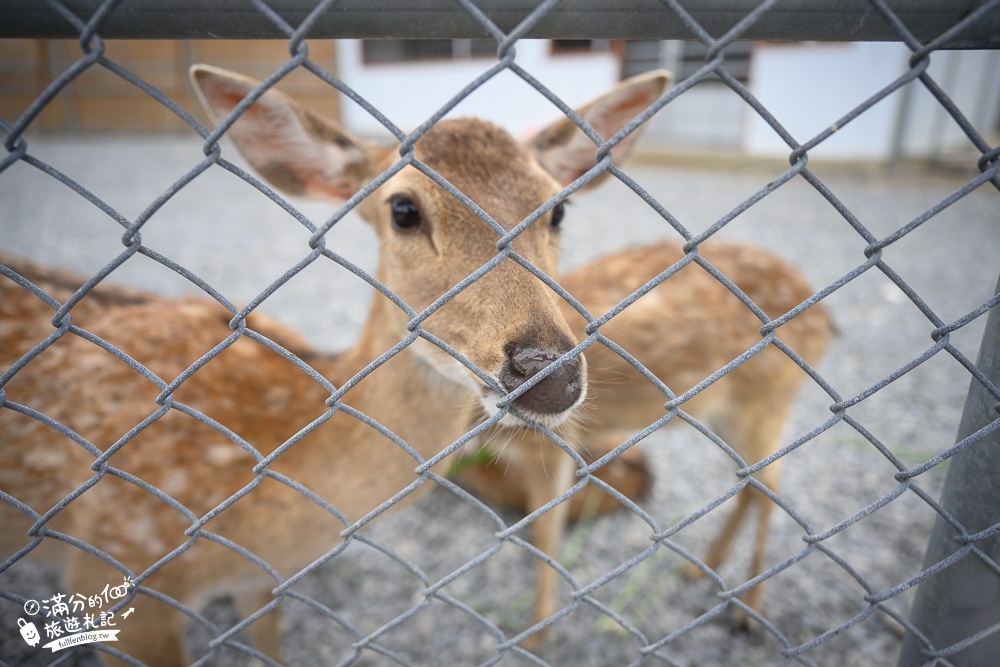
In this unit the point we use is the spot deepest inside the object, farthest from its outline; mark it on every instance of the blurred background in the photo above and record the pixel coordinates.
(792, 79)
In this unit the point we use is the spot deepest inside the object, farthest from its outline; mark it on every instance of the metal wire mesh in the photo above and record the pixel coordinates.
(429, 602)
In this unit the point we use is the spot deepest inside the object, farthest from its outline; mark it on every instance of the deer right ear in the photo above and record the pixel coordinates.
(294, 150)
(567, 153)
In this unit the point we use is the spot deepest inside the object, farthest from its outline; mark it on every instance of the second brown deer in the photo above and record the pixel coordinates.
(682, 331)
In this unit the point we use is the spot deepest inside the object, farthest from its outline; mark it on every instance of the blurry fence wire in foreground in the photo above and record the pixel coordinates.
(965, 543)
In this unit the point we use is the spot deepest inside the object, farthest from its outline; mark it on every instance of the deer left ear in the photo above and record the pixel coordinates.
(293, 149)
(567, 153)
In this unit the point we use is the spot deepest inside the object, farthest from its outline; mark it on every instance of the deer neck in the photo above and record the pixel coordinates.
(402, 394)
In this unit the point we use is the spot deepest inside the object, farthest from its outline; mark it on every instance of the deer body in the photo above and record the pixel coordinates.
(176, 469)
(691, 326)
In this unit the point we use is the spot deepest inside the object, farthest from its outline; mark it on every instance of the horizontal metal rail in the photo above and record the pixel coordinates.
(812, 20)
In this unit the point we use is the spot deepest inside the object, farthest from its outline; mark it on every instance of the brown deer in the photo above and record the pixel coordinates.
(683, 331)
(152, 474)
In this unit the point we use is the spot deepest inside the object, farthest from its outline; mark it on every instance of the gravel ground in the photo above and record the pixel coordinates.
(239, 242)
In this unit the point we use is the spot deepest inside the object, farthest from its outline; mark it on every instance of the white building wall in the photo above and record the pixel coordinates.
(410, 93)
(972, 80)
(806, 86)
(810, 86)
(707, 117)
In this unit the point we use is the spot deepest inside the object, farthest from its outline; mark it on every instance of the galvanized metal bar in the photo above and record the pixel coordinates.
(819, 20)
(963, 600)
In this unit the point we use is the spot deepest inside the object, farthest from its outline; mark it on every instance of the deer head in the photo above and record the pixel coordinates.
(506, 322)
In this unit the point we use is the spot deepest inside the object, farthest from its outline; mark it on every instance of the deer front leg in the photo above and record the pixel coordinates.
(722, 545)
(755, 434)
(719, 550)
(552, 476)
(265, 632)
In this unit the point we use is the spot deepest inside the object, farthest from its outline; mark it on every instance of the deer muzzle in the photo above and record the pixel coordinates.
(556, 394)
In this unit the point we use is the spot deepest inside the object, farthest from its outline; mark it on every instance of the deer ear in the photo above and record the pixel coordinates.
(567, 153)
(294, 150)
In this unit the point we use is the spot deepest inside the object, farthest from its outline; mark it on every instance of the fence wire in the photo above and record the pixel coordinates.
(467, 611)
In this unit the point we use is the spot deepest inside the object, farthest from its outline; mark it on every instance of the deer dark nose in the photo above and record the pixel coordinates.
(556, 393)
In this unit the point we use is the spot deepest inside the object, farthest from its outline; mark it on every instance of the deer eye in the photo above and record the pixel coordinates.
(558, 211)
(405, 213)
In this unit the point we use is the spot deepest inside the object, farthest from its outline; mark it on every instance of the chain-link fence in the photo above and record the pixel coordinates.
(905, 263)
